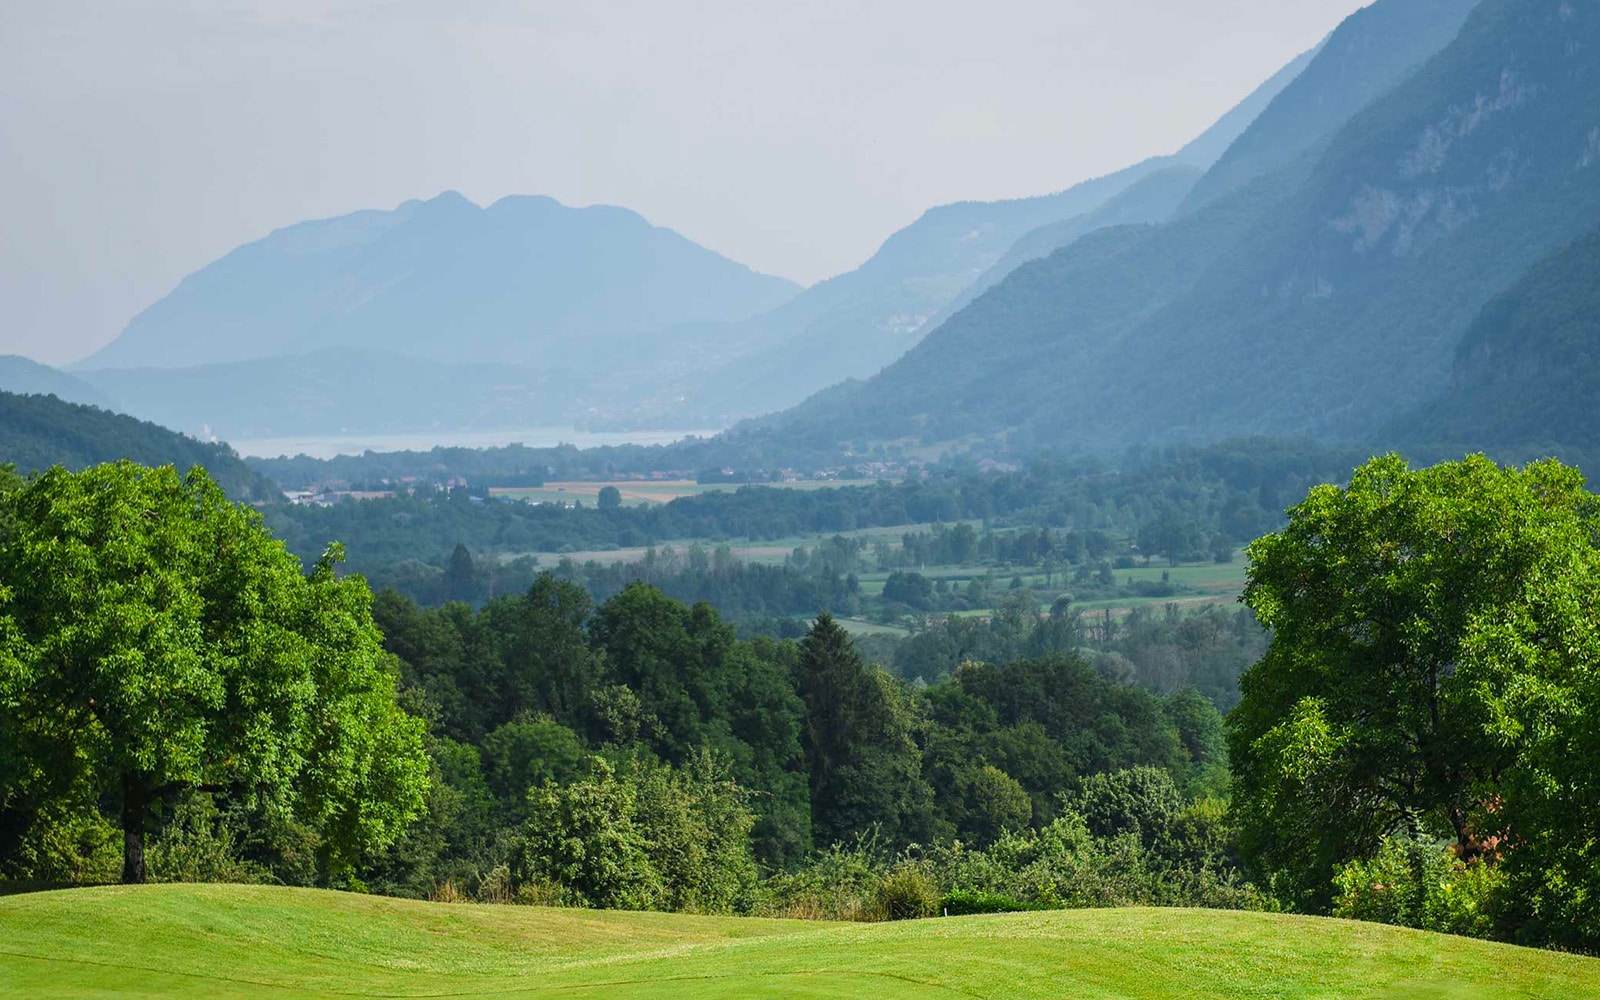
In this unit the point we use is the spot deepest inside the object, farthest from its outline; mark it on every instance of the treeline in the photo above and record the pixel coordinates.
(703, 772)
(1415, 744)
(831, 749)
(1158, 649)
(518, 465)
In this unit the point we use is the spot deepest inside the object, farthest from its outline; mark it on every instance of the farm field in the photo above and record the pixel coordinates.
(771, 552)
(640, 492)
(1205, 583)
(236, 942)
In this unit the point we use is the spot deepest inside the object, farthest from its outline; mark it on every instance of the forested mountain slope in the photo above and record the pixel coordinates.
(1152, 200)
(37, 432)
(1527, 372)
(1321, 299)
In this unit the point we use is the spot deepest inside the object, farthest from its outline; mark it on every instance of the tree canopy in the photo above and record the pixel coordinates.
(1434, 672)
(155, 639)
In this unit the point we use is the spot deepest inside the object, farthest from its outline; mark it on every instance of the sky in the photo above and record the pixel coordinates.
(142, 139)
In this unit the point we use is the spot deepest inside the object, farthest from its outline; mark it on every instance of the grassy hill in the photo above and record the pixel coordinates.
(229, 941)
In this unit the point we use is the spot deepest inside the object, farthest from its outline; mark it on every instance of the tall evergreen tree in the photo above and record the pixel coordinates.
(865, 768)
(460, 576)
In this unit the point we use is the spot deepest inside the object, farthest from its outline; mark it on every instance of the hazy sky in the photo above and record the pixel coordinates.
(141, 139)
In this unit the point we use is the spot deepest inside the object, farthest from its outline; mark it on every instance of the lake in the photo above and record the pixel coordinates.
(532, 437)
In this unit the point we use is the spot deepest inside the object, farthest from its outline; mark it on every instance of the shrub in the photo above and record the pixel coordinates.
(838, 884)
(1410, 883)
(965, 902)
(583, 837)
(907, 893)
(200, 843)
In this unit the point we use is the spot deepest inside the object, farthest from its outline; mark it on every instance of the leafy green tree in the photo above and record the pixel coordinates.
(155, 639)
(526, 752)
(583, 838)
(696, 822)
(638, 833)
(995, 804)
(545, 665)
(911, 589)
(610, 498)
(1432, 673)
(1142, 801)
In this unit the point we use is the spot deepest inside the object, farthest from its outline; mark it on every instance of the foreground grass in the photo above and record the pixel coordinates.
(225, 941)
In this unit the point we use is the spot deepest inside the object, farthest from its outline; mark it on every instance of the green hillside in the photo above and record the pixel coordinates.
(1527, 373)
(227, 941)
(37, 432)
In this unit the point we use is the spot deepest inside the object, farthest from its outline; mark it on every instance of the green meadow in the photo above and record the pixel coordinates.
(235, 941)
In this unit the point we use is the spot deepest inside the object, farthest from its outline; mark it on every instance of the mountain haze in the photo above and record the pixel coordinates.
(852, 325)
(526, 279)
(1323, 298)
(26, 377)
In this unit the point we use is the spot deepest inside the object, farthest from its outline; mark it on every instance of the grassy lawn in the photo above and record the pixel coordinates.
(236, 942)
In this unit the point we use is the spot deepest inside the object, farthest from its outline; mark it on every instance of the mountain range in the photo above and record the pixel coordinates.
(1327, 296)
(443, 313)
(1394, 241)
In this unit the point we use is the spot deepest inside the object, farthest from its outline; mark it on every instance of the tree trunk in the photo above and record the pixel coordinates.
(135, 803)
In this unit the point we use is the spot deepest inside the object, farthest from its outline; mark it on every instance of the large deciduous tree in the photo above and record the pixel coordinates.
(1434, 671)
(155, 639)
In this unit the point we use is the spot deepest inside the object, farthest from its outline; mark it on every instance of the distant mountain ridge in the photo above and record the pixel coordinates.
(26, 377)
(531, 313)
(522, 280)
(1373, 51)
(854, 324)
(1321, 298)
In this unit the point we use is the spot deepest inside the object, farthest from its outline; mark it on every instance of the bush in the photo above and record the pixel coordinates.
(650, 837)
(966, 902)
(201, 844)
(838, 884)
(907, 893)
(583, 836)
(1410, 883)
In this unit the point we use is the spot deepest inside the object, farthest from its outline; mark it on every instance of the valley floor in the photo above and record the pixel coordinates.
(230, 941)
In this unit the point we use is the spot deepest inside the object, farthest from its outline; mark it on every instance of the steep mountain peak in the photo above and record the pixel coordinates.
(1367, 55)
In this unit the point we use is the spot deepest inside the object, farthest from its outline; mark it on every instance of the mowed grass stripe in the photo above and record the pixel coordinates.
(225, 941)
